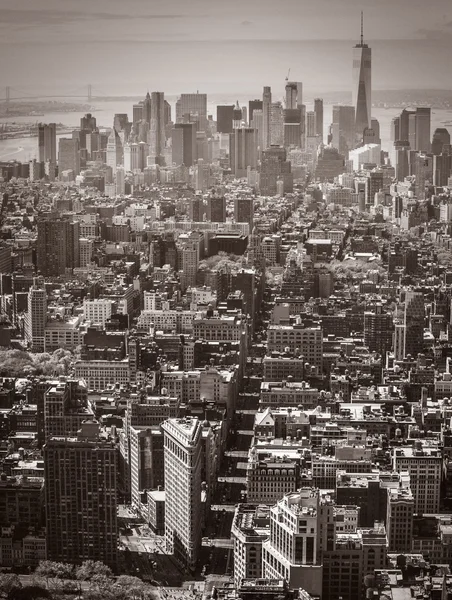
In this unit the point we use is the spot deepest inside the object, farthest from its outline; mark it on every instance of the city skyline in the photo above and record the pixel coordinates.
(99, 43)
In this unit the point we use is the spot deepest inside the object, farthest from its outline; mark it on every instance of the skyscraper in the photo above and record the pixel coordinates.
(244, 210)
(252, 106)
(242, 150)
(81, 495)
(194, 105)
(276, 124)
(115, 150)
(266, 110)
(68, 156)
(88, 123)
(184, 144)
(318, 109)
(216, 208)
(52, 246)
(183, 463)
(36, 316)
(291, 94)
(225, 118)
(157, 129)
(343, 128)
(414, 323)
(47, 142)
(362, 84)
(146, 114)
(310, 124)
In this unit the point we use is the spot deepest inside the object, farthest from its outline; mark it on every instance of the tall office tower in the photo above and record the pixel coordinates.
(441, 137)
(68, 156)
(194, 105)
(237, 116)
(183, 464)
(291, 94)
(413, 127)
(292, 127)
(310, 124)
(343, 129)
(81, 491)
(378, 328)
(373, 184)
(362, 84)
(242, 151)
(225, 118)
(266, 111)
(137, 112)
(184, 144)
(157, 127)
(297, 529)
(252, 106)
(216, 208)
(167, 112)
(196, 209)
(423, 129)
(422, 169)
(52, 246)
(299, 94)
(276, 124)
(115, 150)
(36, 316)
(442, 169)
(47, 142)
(88, 123)
(274, 168)
(244, 211)
(401, 160)
(120, 181)
(414, 323)
(258, 125)
(318, 110)
(147, 104)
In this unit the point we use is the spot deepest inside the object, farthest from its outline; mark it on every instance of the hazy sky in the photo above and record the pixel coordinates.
(236, 46)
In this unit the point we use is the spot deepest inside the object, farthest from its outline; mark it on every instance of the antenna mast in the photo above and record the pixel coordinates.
(362, 29)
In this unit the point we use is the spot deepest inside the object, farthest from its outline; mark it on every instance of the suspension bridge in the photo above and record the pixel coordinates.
(9, 94)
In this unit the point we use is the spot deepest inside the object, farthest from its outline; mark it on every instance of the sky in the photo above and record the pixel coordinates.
(220, 46)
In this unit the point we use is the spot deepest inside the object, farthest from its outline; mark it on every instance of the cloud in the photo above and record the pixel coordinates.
(246, 23)
(58, 17)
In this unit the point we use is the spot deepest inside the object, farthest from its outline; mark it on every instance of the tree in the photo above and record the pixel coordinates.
(8, 583)
(29, 592)
(90, 569)
(52, 571)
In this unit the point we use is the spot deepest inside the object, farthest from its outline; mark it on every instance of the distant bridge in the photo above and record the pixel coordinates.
(15, 94)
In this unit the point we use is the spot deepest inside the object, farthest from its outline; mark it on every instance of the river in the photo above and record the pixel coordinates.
(26, 148)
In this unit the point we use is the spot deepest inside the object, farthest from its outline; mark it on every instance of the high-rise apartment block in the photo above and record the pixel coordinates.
(414, 323)
(244, 210)
(36, 316)
(183, 464)
(378, 327)
(81, 497)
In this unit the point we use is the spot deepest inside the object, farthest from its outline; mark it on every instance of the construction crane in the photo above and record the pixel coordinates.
(288, 75)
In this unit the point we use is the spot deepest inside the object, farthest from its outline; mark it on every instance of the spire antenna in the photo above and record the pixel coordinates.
(362, 28)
